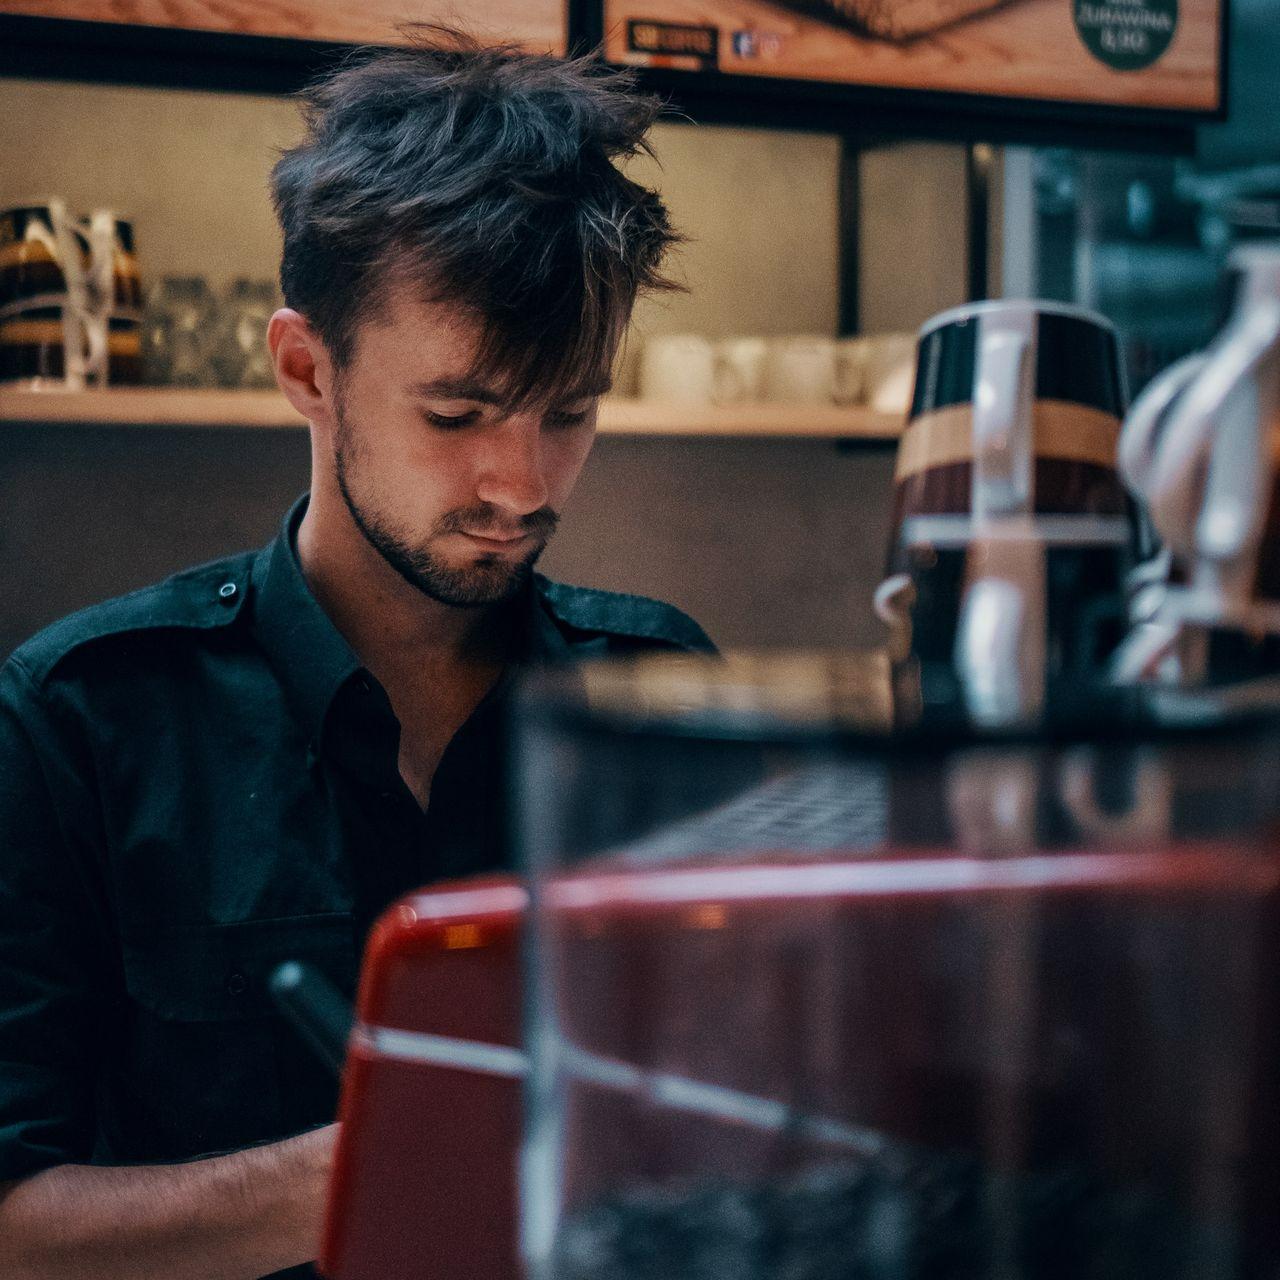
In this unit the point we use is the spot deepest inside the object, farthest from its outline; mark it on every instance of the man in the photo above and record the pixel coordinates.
(246, 763)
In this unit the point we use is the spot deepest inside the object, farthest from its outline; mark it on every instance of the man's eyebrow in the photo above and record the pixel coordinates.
(465, 389)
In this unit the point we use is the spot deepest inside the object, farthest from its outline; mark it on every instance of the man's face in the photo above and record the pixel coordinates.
(458, 494)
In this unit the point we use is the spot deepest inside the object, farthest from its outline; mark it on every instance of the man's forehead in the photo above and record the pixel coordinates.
(450, 330)
(435, 344)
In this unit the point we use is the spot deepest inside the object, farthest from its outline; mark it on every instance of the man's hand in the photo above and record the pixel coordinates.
(232, 1217)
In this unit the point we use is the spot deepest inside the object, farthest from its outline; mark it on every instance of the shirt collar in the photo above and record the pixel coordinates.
(311, 658)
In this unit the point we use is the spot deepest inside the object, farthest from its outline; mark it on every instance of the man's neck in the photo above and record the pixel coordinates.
(405, 638)
(436, 662)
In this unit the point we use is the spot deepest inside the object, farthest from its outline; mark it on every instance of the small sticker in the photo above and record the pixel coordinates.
(744, 44)
(1126, 34)
(673, 40)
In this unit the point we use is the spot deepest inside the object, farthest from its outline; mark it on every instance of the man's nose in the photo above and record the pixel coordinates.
(511, 475)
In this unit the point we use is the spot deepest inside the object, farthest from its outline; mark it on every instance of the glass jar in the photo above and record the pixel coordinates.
(177, 323)
(240, 356)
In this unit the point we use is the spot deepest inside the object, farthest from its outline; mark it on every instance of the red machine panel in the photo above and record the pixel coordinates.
(425, 1177)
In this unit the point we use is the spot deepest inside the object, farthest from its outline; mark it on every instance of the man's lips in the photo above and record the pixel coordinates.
(497, 542)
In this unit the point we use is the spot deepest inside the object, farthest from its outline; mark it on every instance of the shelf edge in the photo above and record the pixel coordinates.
(162, 407)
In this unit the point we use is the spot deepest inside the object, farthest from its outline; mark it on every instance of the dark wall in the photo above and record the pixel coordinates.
(766, 543)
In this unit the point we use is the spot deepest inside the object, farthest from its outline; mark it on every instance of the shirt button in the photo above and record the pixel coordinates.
(227, 592)
(237, 984)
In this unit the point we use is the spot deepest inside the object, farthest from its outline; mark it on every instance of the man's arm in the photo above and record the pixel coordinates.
(237, 1216)
(231, 1217)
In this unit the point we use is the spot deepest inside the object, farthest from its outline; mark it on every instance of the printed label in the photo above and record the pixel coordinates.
(1126, 34)
(673, 40)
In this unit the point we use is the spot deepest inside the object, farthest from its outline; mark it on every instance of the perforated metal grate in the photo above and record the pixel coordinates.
(819, 809)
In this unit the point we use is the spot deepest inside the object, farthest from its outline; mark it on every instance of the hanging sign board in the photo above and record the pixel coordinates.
(1137, 55)
(536, 24)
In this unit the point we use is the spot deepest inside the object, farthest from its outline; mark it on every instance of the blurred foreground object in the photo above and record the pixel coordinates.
(1200, 448)
(821, 979)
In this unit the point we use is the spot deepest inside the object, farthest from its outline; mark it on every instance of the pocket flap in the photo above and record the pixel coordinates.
(216, 972)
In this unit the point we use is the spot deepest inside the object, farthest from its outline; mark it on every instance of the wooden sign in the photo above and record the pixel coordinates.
(536, 24)
(1138, 54)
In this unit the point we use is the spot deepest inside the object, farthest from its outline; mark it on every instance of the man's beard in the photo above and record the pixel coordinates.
(487, 580)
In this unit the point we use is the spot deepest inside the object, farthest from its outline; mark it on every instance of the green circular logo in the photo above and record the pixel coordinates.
(1126, 34)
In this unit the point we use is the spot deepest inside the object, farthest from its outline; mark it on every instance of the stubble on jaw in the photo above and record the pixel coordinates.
(488, 580)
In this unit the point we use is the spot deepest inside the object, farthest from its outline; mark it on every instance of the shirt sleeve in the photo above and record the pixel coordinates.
(46, 927)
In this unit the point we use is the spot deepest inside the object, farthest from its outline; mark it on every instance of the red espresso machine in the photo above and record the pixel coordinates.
(806, 976)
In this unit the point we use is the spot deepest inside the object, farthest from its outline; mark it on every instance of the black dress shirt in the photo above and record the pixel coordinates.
(199, 781)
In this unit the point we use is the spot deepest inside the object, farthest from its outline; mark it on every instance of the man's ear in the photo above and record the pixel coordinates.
(304, 369)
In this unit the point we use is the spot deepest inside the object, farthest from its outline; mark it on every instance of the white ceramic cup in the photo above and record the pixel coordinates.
(678, 368)
(890, 372)
(853, 356)
(800, 369)
(739, 370)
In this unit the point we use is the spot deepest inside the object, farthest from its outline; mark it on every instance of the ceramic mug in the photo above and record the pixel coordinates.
(70, 301)
(43, 304)
(800, 369)
(115, 293)
(678, 368)
(738, 370)
(853, 356)
(1012, 530)
(891, 369)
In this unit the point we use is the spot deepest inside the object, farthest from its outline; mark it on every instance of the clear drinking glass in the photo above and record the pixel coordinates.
(824, 983)
(240, 357)
(177, 324)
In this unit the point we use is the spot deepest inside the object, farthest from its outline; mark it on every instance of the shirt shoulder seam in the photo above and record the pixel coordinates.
(671, 625)
(40, 656)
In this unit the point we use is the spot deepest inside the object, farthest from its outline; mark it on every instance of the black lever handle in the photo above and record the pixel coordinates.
(316, 1008)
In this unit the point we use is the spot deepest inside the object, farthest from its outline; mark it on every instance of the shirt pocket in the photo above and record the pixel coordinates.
(207, 1062)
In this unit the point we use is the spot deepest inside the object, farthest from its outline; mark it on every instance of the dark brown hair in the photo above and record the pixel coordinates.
(482, 176)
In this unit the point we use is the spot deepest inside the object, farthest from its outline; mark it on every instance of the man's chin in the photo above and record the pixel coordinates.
(488, 580)
(469, 581)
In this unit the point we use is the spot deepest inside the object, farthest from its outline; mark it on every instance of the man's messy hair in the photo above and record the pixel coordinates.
(483, 176)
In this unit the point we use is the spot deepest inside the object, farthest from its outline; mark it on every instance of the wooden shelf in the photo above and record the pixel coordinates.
(162, 406)
(151, 407)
